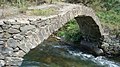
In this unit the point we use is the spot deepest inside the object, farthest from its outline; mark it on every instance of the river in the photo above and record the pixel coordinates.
(52, 53)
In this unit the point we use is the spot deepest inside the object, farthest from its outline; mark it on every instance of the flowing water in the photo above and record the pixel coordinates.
(57, 54)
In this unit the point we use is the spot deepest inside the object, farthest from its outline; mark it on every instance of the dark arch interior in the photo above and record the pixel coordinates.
(88, 27)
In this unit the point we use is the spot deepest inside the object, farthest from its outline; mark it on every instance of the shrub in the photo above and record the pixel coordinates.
(70, 32)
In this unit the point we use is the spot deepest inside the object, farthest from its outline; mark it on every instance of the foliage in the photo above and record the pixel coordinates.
(111, 5)
(110, 16)
(85, 2)
(111, 20)
(21, 3)
(70, 31)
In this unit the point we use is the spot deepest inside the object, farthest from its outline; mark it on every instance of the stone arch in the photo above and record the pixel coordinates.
(20, 35)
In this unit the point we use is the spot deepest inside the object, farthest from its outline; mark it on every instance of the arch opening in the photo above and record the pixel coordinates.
(89, 28)
(92, 38)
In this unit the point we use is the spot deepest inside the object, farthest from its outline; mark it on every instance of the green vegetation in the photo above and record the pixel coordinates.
(42, 12)
(22, 3)
(18, 3)
(110, 19)
(109, 14)
(70, 31)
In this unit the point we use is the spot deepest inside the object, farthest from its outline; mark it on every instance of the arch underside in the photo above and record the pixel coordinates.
(88, 27)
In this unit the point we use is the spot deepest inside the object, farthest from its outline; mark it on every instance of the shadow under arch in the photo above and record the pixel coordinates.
(88, 27)
(91, 33)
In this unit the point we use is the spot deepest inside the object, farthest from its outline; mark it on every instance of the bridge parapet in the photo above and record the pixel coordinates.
(19, 35)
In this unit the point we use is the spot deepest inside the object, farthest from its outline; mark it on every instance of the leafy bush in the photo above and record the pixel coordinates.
(70, 31)
(111, 5)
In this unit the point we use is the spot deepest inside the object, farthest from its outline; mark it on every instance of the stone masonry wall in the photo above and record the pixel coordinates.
(19, 35)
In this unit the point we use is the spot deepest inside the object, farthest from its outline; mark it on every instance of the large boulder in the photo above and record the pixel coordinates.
(90, 47)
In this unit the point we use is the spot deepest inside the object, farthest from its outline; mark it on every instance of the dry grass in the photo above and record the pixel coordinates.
(41, 12)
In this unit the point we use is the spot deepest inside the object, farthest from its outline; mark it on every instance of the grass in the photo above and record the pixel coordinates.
(42, 12)
(24, 4)
(111, 19)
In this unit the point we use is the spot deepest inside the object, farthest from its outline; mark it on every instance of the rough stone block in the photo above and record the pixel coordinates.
(12, 43)
(1, 42)
(30, 42)
(1, 30)
(2, 63)
(41, 36)
(42, 24)
(1, 48)
(19, 53)
(13, 61)
(1, 35)
(24, 47)
(47, 22)
(16, 49)
(18, 37)
(16, 26)
(6, 35)
(6, 27)
(36, 37)
(13, 31)
(7, 51)
(1, 22)
(1, 56)
(8, 22)
(51, 28)
(44, 33)
(12, 21)
(27, 27)
(47, 30)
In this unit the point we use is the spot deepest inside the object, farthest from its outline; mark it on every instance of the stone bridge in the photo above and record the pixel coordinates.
(18, 35)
